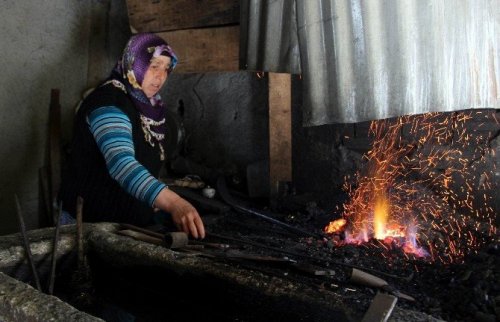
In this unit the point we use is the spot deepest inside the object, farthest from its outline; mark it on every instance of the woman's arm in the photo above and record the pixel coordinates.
(112, 130)
(184, 215)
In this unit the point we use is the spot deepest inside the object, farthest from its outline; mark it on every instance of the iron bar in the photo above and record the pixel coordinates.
(54, 250)
(308, 257)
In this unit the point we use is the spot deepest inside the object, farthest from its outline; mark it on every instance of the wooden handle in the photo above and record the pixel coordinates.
(366, 279)
(176, 239)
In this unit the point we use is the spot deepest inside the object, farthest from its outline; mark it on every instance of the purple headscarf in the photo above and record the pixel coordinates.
(130, 71)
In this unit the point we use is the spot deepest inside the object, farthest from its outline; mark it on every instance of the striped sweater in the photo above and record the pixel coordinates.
(112, 130)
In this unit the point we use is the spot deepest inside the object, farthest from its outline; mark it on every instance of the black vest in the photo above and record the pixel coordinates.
(85, 173)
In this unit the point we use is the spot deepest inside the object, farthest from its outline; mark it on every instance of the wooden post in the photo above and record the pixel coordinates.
(280, 131)
(98, 48)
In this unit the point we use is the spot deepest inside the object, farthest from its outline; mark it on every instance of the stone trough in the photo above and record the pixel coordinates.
(182, 284)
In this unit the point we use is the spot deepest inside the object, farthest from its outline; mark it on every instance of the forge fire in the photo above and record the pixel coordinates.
(427, 187)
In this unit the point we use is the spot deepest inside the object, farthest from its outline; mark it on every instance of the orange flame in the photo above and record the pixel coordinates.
(336, 226)
(380, 217)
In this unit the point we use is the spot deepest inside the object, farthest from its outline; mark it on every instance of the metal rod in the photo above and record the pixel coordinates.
(27, 244)
(308, 257)
(79, 231)
(142, 230)
(137, 235)
(54, 250)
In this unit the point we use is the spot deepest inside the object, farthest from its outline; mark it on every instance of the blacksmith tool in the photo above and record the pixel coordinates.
(142, 230)
(366, 279)
(380, 308)
(210, 245)
(53, 259)
(273, 260)
(303, 256)
(176, 239)
(238, 206)
(171, 240)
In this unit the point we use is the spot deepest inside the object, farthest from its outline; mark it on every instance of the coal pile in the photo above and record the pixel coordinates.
(468, 290)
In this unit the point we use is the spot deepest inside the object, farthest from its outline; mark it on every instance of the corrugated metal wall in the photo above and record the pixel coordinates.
(364, 60)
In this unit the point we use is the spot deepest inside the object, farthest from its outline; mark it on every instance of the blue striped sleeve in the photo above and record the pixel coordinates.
(112, 130)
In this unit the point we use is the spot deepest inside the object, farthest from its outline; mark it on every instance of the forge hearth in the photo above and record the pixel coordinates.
(153, 282)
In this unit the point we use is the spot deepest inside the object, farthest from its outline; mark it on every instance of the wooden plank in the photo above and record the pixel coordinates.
(280, 130)
(167, 15)
(206, 49)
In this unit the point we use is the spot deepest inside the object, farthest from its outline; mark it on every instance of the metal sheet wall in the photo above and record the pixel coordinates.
(364, 60)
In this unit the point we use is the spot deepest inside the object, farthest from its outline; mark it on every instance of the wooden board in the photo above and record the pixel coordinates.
(206, 49)
(167, 15)
(280, 130)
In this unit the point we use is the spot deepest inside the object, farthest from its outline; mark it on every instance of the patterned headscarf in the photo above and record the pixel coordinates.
(128, 75)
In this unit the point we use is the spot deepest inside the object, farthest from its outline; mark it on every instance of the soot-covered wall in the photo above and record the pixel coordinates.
(225, 116)
(326, 157)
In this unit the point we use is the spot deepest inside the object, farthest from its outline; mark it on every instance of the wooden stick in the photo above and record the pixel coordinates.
(27, 244)
(142, 230)
(79, 231)
(54, 251)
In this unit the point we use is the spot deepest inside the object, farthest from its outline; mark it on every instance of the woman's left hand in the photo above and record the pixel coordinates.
(184, 215)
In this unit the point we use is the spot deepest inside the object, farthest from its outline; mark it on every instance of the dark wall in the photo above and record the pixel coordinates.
(324, 155)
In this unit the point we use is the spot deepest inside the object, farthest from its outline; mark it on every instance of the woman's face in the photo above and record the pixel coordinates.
(155, 75)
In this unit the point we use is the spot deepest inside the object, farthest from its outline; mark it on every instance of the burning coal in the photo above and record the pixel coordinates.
(420, 187)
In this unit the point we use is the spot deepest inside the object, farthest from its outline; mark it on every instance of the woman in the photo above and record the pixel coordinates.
(117, 149)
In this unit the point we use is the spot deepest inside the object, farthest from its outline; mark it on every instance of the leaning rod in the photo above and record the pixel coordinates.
(221, 186)
(26, 243)
(79, 232)
(54, 250)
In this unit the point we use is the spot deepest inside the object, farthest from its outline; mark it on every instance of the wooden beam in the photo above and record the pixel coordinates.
(280, 130)
(97, 43)
(205, 49)
(167, 15)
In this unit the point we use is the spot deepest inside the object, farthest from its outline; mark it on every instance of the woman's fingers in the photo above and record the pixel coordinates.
(196, 227)
(191, 223)
(192, 228)
(199, 226)
(184, 215)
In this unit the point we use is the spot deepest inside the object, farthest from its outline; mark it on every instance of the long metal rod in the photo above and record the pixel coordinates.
(54, 250)
(143, 230)
(308, 257)
(27, 244)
